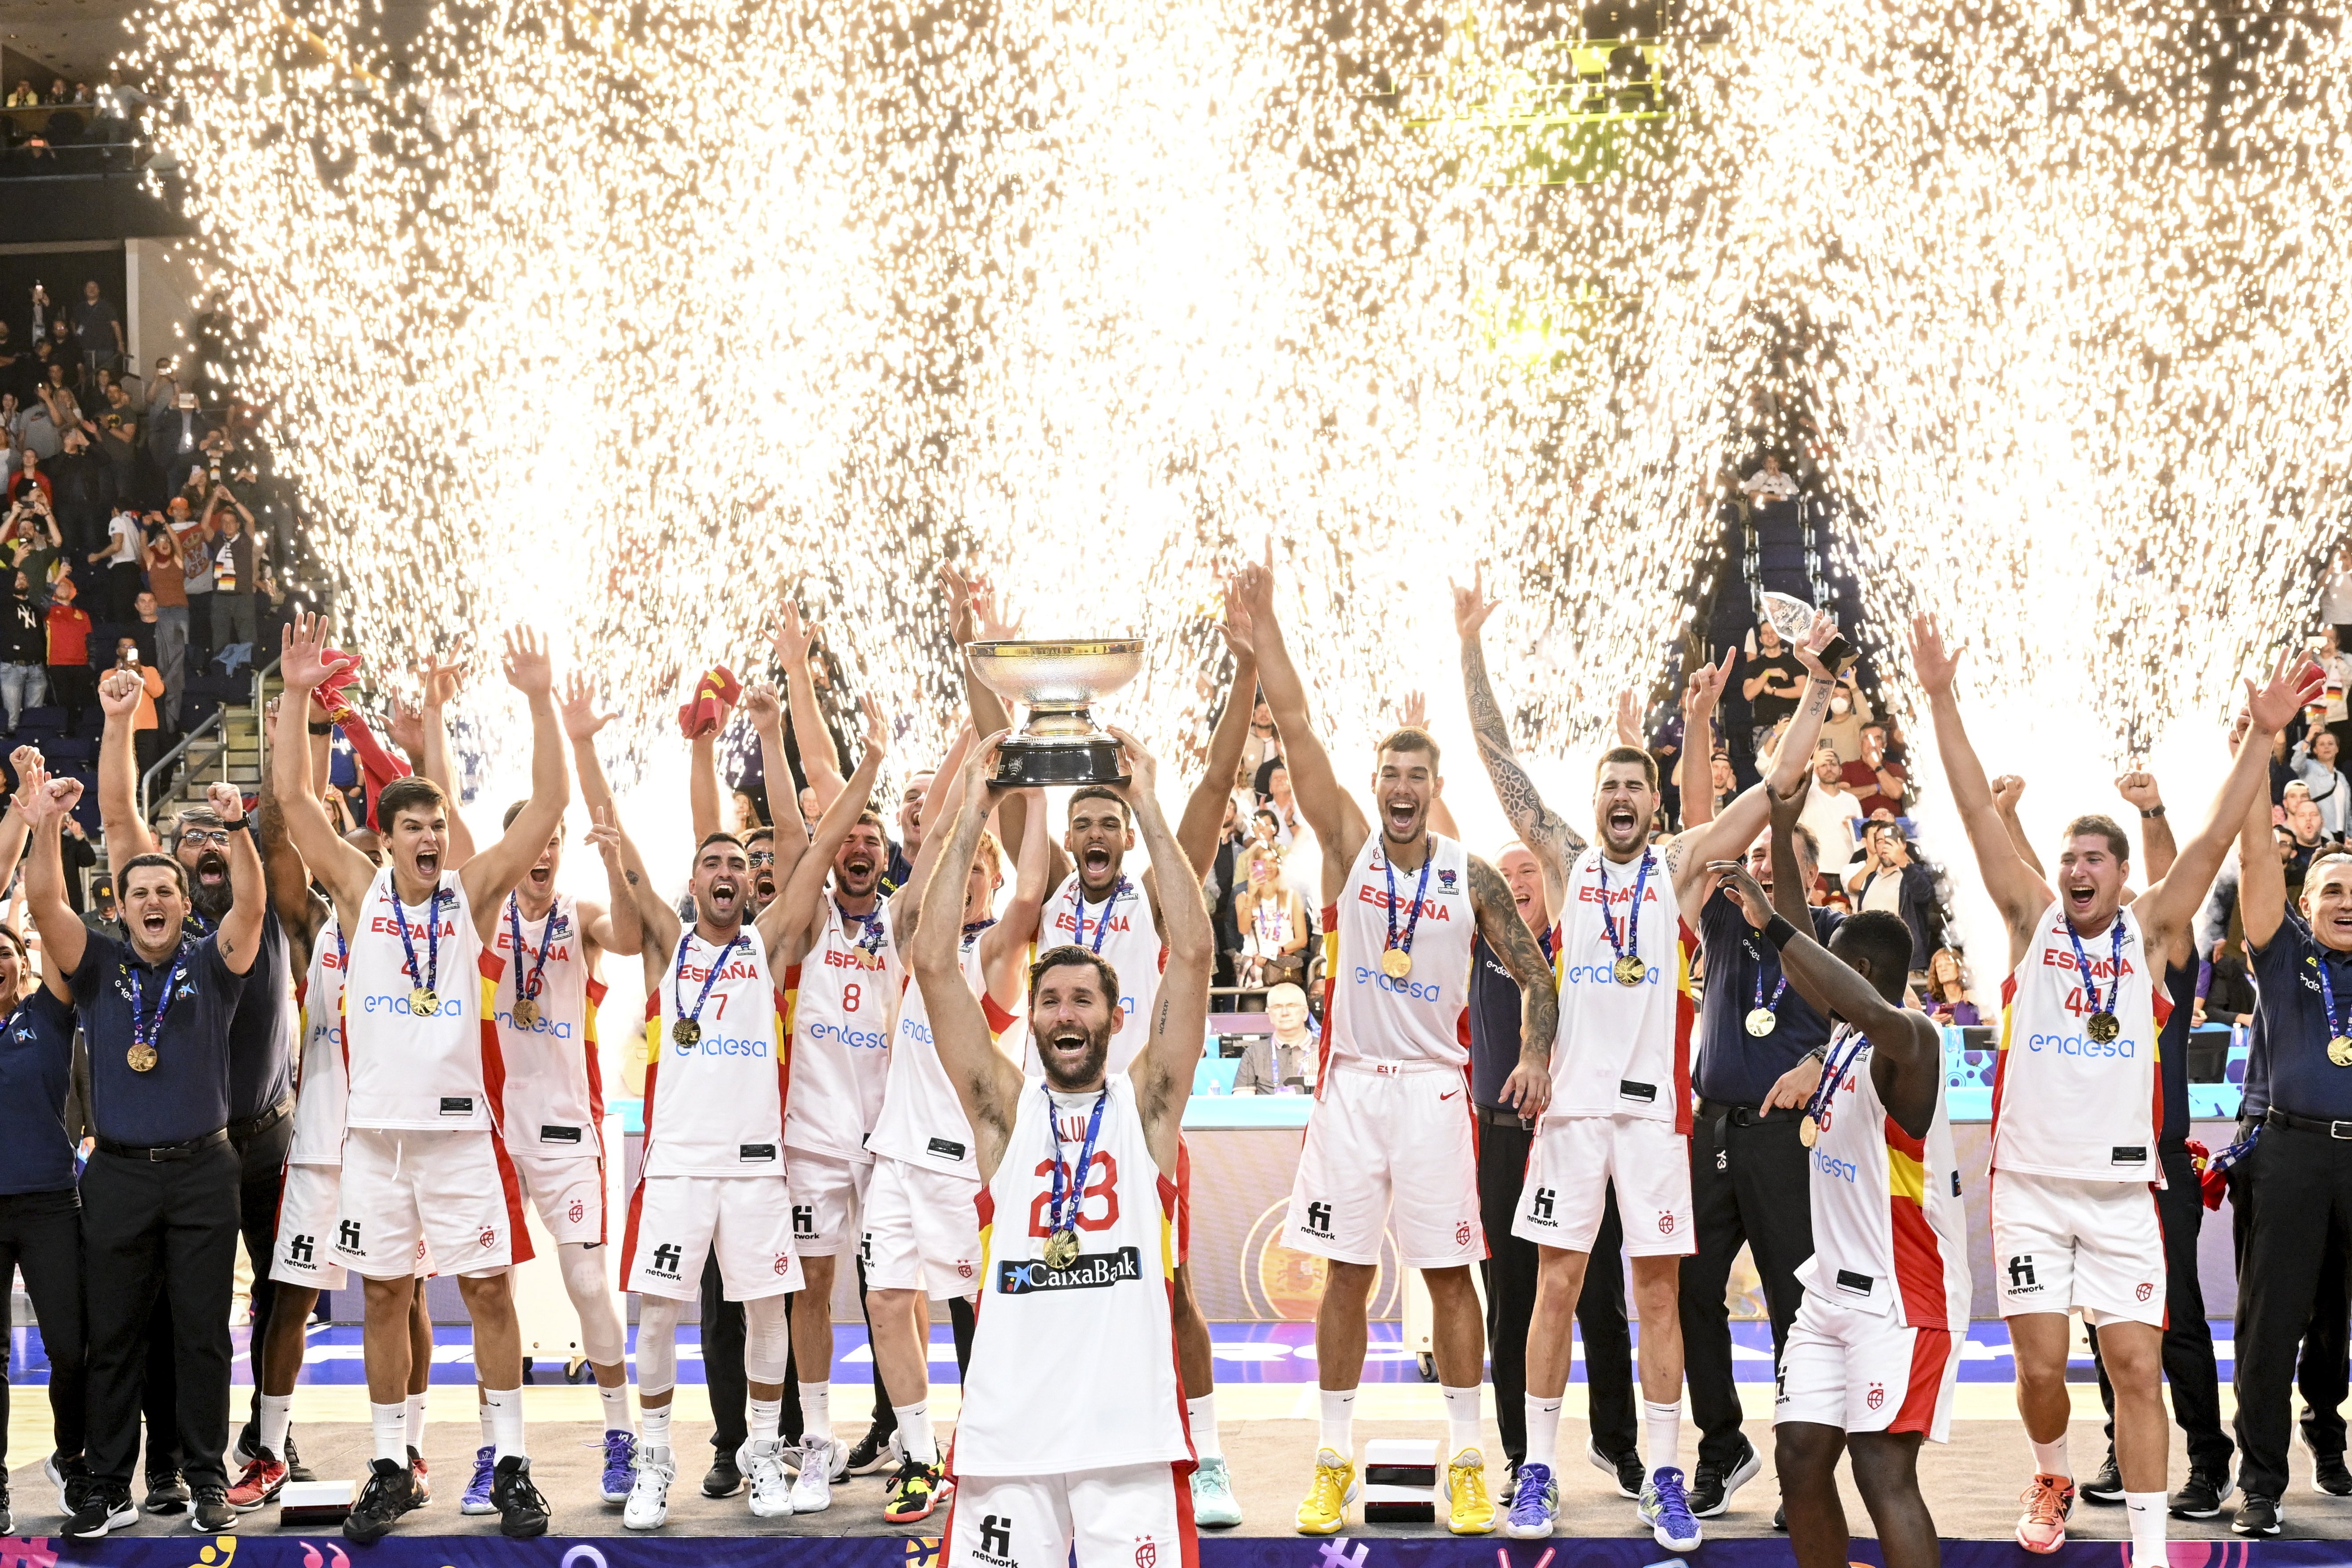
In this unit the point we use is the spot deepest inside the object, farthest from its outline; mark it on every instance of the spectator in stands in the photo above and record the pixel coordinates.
(24, 651)
(2335, 664)
(196, 578)
(1775, 680)
(62, 365)
(70, 680)
(79, 494)
(1849, 711)
(176, 440)
(119, 560)
(167, 581)
(1877, 782)
(35, 546)
(15, 365)
(97, 327)
(1273, 922)
(146, 737)
(1262, 746)
(147, 626)
(236, 582)
(26, 95)
(1946, 994)
(162, 391)
(1285, 1060)
(1831, 811)
(38, 430)
(102, 913)
(60, 94)
(2335, 593)
(2314, 761)
(1721, 783)
(1891, 879)
(2225, 993)
(1285, 806)
(1768, 483)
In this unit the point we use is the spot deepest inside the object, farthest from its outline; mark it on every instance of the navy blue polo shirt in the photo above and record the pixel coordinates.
(2172, 1051)
(1493, 1023)
(2288, 1000)
(37, 1154)
(186, 1094)
(1734, 1067)
(261, 1034)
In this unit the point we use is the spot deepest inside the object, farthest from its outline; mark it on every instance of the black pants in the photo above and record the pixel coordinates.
(261, 1177)
(168, 1228)
(73, 687)
(2187, 1337)
(1748, 1183)
(2323, 1373)
(1510, 1279)
(40, 1233)
(2302, 1201)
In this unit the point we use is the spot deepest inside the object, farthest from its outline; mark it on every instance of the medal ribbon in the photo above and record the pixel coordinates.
(1834, 1071)
(1388, 870)
(1102, 926)
(709, 978)
(869, 936)
(2114, 967)
(1086, 1157)
(2336, 1027)
(1626, 942)
(144, 1030)
(538, 966)
(1778, 990)
(430, 977)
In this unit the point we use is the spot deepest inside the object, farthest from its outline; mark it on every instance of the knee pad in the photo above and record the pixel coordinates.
(601, 1337)
(657, 1319)
(767, 1339)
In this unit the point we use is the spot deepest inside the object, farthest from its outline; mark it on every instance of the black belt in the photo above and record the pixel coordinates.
(1744, 1115)
(161, 1151)
(2277, 1117)
(1494, 1118)
(245, 1131)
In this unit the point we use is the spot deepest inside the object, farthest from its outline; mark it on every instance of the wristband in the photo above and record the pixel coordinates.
(322, 729)
(1779, 932)
(2156, 810)
(1820, 1053)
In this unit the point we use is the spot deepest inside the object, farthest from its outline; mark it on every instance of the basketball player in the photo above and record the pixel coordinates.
(922, 1230)
(1097, 905)
(2078, 1101)
(1071, 1444)
(713, 1175)
(1871, 1362)
(1620, 1108)
(421, 1161)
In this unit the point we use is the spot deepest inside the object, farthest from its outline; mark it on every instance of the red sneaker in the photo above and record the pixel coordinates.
(2043, 1526)
(263, 1477)
(416, 1474)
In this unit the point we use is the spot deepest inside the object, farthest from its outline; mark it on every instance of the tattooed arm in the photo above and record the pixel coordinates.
(1528, 1089)
(1544, 831)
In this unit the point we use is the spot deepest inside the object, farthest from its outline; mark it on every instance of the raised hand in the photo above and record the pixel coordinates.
(1629, 720)
(991, 623)
(404, 727)
(1471, 606)
(303, 654)
(1741, 886)
(761, 706)
(2009, 789)
(119, 692)
(440, 679)
(1705, 687)
(1238, 629)
(1413, 712)
(603, 834)
(2137, 787)
(578, 708)
(956, 588)
(528, 670)
(2294, 683)
(1808, 652)
(980, 770)
(1934, 664)
(1143, 767)
(790, 635)
(226, 801)
(878, 729)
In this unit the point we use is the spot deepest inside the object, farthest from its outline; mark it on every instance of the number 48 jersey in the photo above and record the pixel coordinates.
(2064, 1103)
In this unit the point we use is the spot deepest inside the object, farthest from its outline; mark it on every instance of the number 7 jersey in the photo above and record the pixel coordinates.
(716, 1106)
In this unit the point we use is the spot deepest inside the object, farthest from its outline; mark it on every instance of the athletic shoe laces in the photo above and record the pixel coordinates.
(2044, 1500)
(1534, 1482)
(1673, 1503)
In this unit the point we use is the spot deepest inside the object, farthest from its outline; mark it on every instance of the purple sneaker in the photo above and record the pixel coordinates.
(620, 1465)
(477, 1490)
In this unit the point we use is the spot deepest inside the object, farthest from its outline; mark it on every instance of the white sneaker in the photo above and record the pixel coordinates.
(763, 1459)
(820, 1458)
(649, 1505)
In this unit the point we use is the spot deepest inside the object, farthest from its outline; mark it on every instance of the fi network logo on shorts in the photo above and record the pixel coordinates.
(666, 1260)
(996, 1541)
(1319, 1220)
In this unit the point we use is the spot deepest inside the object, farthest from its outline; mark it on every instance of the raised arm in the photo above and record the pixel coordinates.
(1005, 944)
(1748, 812)
(1544, 831)
(493, 872)
(284, 877)
(2007, 790)
(1162, 1070)
(702, 785)
(624, 923)
(1338, 822)
(788, 925)
(2017, 890)
(1204, 810)
(337, 866)
(2262, 881)
(442, 680)
(240, 929)
(939, 806)
(1528, 1089)
(986, 1082)
(764, 707)
(46, 801)
(118, 772)
(794, 641)
(2140, 791)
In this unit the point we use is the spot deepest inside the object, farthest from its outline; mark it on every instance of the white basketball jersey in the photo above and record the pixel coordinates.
(1128, 942)
(2064, 1104)
(1418, 1019)
(1890, 1227)
(554, 1095)
(922, 1122)
(716, 1108)
(321, 1094)
(441, 1071)
(1074, 1369)
(841, 1001)
(1623, 1050)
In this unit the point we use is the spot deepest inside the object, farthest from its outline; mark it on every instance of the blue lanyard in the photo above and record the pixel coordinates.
(1078, 897)
(1833, 1073)
(1627, 940)
(869, 938)
(1778, 990)
(1077, 1184)
(2114, 967)
(430, 977)
(709, 978)
(539, 967)
(2336, 1027)
(1388, 870)
(144, 1030)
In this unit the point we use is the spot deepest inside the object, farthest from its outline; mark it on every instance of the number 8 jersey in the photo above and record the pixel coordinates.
(842, 1005)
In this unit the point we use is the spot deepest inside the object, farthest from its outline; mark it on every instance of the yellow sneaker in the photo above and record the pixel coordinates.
(1325, 1509)
(1471, 1511)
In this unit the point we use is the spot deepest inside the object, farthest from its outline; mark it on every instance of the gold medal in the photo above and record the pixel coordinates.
(2340, 1050)
(526, 1013)
(2103, 1028)
(686, 1031)
(1629, 971)
(142, 1057)
(423, 1002)
(1761, 1022)
(1396, 964)
(1061, 1249)
(1809, 1131)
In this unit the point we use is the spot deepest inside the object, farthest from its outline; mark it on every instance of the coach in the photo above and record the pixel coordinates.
(1748, 1180)
(159, 1194)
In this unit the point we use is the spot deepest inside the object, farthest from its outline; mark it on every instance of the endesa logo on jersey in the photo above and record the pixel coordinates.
(1600, 975)
(2081, 1046)
(1091, 1271)
(856, 1040)
(1428, 908)
(720, 1046)
(450, 1007)
(553, 1028)
(1410, 988)
(1841, 1170)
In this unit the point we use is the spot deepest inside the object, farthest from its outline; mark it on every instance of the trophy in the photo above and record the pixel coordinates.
(1060, 744)
(1793, 619)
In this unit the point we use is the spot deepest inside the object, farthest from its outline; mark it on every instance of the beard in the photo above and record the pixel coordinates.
(212, 900)
(1089, 1069)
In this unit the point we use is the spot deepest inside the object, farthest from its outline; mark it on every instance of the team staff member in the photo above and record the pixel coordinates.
(1504, 1140)
(159, 1194)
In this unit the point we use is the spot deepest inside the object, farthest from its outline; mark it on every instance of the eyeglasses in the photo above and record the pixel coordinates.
(764, 856)
(201, 836)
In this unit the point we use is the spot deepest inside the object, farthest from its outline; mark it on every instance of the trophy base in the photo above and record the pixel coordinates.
(1031, 763)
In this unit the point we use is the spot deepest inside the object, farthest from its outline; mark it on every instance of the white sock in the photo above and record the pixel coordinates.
(816, 1410)
(2049, 1458)
(390, 1423)
(2148, 1512)
(482, 1409)
(1461, 1418)
(1543, 1431)
(1339, 1421)
(277, 1418)
(916, 1439)
(506, 1421)
(415, 1408)
(657, 1418)
(1200, 1420)
(767, 1417)
(1661, 1434)
(616, 1406)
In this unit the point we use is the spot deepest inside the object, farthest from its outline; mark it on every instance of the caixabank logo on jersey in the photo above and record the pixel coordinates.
(1091, 1271)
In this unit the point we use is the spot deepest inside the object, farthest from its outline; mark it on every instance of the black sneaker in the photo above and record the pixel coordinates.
(102, 1509)
(1712, 1485)
(723, 1478)
(296, 1470)
(1781, 1519)
(2202, 1496)
(387, 1495)
(872, 1451)
(71, 1475)
(522, 1512)
(2258, 1516)
(212, 1513)
(2106, 1488)
(1626, 1467)
(2329, 1477)
(8, 1518)
(248, 1444)
(166, 1493)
